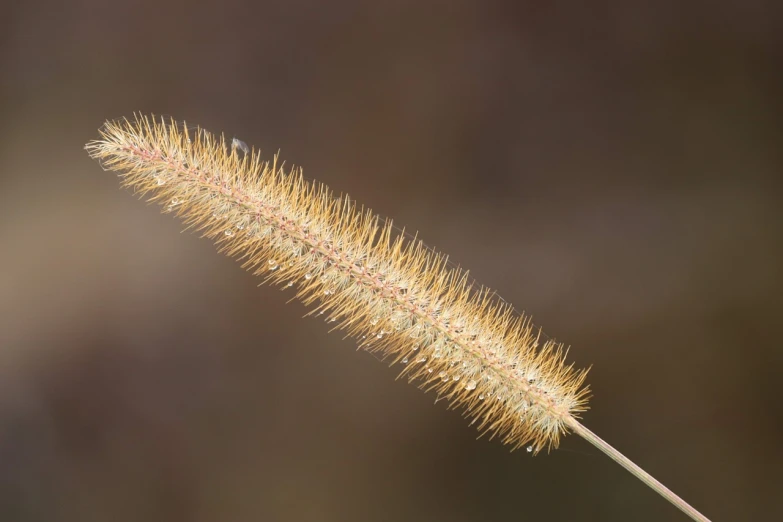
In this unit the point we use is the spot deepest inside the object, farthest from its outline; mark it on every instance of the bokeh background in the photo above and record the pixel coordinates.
(612, 168)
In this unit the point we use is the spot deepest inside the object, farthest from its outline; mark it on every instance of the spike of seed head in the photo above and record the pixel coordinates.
(393, 294)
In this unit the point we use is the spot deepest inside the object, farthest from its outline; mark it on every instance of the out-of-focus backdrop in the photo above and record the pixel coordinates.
(612, 168)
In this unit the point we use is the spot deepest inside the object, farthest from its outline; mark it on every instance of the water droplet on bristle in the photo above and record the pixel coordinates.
(470, 385)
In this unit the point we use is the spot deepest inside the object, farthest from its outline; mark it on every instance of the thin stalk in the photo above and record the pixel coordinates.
(635, 470)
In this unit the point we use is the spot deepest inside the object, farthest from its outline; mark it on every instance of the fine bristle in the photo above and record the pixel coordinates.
(394, 295)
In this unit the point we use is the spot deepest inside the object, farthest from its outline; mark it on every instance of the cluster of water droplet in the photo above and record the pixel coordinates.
(437, 339)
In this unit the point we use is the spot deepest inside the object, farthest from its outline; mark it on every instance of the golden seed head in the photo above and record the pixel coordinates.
(393, 294)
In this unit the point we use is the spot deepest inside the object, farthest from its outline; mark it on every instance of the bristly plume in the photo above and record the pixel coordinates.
(395, 296)
(390, 292)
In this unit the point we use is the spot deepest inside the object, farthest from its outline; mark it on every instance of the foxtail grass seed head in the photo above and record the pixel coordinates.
(393, 294)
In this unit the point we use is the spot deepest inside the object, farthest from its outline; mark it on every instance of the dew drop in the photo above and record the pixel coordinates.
(443, 376)
(272, 262)
(421, 359)
(481, 397)
(470, 385)
(429, 370)
(415, 347)
(160, 181)
(229, 233)
(455, 378)
(405, 360)
(308, 276)
(290, 284)
(530, 449)
(241, 145)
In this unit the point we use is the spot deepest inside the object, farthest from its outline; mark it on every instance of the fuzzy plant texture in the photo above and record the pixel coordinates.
(394, 295)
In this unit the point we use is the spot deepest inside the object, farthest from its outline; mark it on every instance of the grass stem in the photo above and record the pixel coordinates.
(635, 470)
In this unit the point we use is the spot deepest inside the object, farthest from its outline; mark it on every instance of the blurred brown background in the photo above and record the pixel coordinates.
(612, 169)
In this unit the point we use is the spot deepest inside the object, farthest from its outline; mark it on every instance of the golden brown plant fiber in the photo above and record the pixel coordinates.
(393, 294)
(397, 297)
